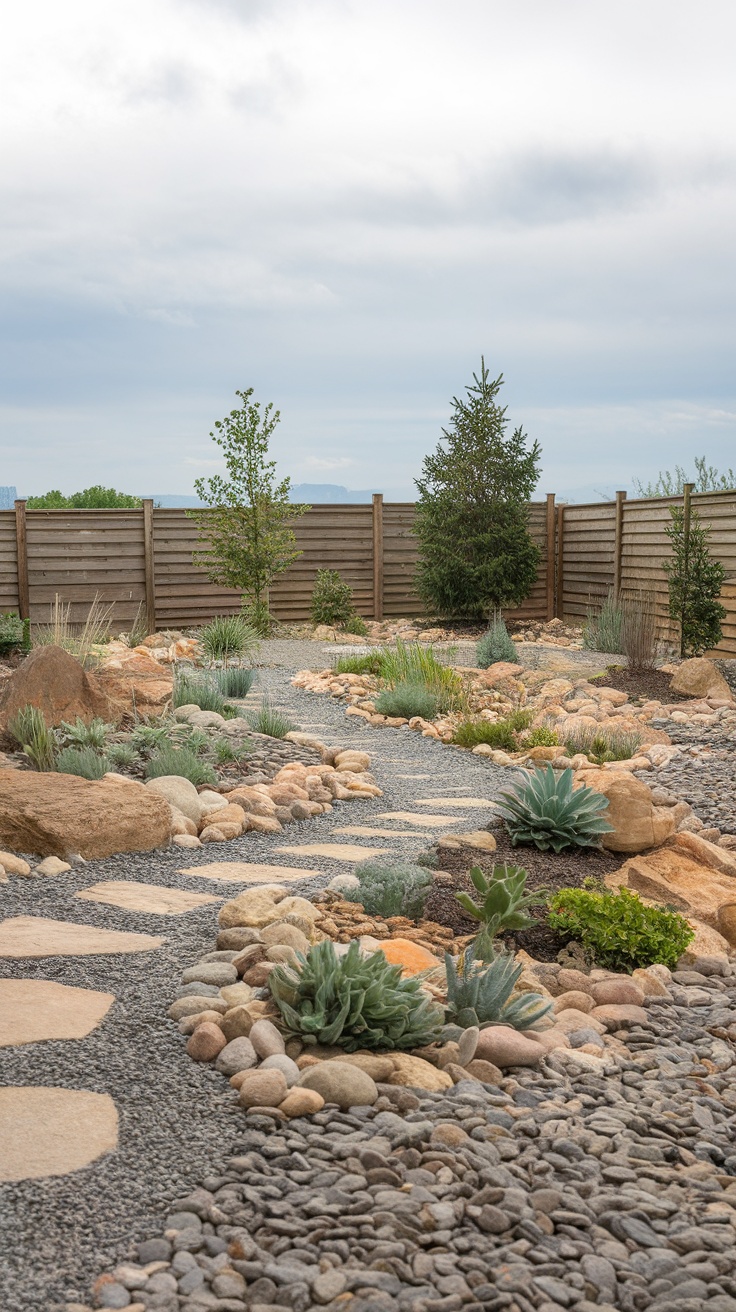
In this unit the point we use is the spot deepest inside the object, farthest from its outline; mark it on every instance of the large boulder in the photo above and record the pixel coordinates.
(60, 814)
(52, 680)
(700, 678)
(179, 792)
(637, 823)
(687, 878)
(135, 682)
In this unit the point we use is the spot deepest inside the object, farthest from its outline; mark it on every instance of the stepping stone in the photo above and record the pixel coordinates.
(32, 1010)
(34, 936)
(364, 831)
(154, 899)
(453, 801)
(244, 872)
(413, 776)
(337, 851)
(52, 1131)
(430, 821)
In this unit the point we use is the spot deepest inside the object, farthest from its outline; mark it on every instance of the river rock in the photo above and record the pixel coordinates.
(503, 1046)
(340, 1083)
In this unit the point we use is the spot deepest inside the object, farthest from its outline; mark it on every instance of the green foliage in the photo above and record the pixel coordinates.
(353, 1001)
(80, 734)
(332, 599)
(694, 580)
(476, 554)
(707, 479)
(357, 625)
(32, 733)
(409, 662)
(247, 532)
(602, 629)
(92, 498)
(200, 690)
(227, 636)
(481, 995)
(225, 751)
(147, 738)
(11, 633)
(182, 761)
(269, 721)
(139, 628)
(495, 645)
(27, 643)
(80, 641)
(408, 699)
(618, 930)
(368, 663)
(469, 733)
(257, 615)
(235, 681)
(543, 809)
(121, 755)
(502, 905)
(390, 890)
(84, 761)
(541, 737)
(601, 746)
(429, 859)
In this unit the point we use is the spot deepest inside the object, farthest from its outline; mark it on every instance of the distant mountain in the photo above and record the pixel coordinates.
(330, 493)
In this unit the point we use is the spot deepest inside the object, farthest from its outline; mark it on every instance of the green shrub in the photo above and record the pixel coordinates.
(495, 645)
(369, 663)
(694, 582)
(32, 733)
(602, 630)
(197, 690)
(121, 755)
(229, 635)
(429, 859)
(11, 633)
(147, 738)
(181, 761)
(541, 737)
(469, 733)
(332, 599)
(269, 721)
(390, 890)
(80, 734)
(226, 751)
(478, 995)
(604, 745)
(234, 681)
(409, 662)
(353, 1001)
(618, 930)
(503, 904)
(84, 761)
(357, 625)
(543, 809)
(407, 699)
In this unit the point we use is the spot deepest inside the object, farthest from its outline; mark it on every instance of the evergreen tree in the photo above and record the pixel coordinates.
(476, 554)
(695, 581)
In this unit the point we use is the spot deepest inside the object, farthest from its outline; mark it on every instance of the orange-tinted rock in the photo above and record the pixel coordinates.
(59, 814)
(412, 958)
(637, 823)
(206, 1043)
(57, 685)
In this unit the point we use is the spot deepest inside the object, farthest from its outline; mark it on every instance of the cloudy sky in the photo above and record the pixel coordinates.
(343, 204)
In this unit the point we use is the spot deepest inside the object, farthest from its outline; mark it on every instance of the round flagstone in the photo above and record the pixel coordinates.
(338, 851)
(245, 872)
(51, 1131)
(34, 936)
(153, 898)
(32, 1010)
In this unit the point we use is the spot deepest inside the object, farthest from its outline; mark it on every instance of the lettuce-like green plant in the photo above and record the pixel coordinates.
(353, 1001)
(544, 810)
(481, 995)
(502, 905)
(618, 930)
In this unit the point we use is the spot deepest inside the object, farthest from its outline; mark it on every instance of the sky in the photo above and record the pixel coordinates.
(344, 205)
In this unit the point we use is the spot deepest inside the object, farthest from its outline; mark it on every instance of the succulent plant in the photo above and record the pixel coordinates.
(353, 1001)
(543, 809)
(503, 905)
(481, 995)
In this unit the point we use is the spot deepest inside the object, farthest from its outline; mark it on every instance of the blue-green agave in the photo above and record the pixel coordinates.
(543, 809)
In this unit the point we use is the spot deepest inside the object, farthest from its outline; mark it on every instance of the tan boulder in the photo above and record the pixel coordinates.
(727, 922)
(670, 878)
(498, 673)
(14, 865)
(135, 682)
(61, 814)
(637, 823)
(415, 1073)
(709, 854)
(254, 908)
(700, 678)
(53, 681)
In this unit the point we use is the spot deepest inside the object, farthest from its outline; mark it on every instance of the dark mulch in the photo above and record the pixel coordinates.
(548, 870)
(641, 685)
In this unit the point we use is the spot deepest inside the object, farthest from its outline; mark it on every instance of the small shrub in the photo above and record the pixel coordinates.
(407, 700)
(80, 734)
(639, 631)
(495, 645)
(332, 599)
(31, 731)
(601, 746)
(147, 738)
(369, 663)
(84, 761)
(618, 930)
(429, 859)
(181, 761)
(121, 755)
(543, 809)
(602, 629)
(694, 582)
(195, 740)
(357, 625)
(390, 890)
(269, 721)
(482, 996)
(234, 681)
(258, 616)
(11, 633)
(197, 690)
(353, 1001)
(409, 662)
(502, 906)
(541, 737)
(469, 733)
(227, 636)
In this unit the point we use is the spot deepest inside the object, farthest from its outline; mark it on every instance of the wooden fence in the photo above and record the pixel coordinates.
(144, 558)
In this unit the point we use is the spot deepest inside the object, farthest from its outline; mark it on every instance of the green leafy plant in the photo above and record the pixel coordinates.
(181, 761)
(604, 745)
(38, 741)
(602, 629)
(694, 581)
(121, 755)
(618, 930)
(502, 905)
(495, 645)
(544, 810)
(332, 599)
(469, 733)
(84, 761)
(91, 498)
(409, 662)
(147, 738)
(235, 681)
(11, 633)
(390, 890)
(353, 1001)
(541, 737)
(197, 690)
(227, 636)
(269, 721)
(481, 995)
(80, 734)
(357, 625)
(707, 479)
(368, 663)
(407, 700)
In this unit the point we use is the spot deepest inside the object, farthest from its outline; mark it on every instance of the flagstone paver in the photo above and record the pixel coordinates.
(154, 899)
(32, 1010)
(34, 936)
(51, 1131)
(365, 831)
(430, 821)
(338, 851)
(473, 802)
(246, 872)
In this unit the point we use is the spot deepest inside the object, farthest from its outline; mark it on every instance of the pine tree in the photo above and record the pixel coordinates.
(695, 581)
(476, 554)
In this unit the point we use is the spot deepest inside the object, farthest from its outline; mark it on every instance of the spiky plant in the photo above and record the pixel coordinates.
(235, 681)
(227, 636)
(481, 995)
(83, 761)
(353, 1001)
(407, 700)
(181, 761)
(502, 906)
(121, 755)
(38, 741)
(269, 721)
(495, 645)
(543, 809)
(197, 690)
(80, 734)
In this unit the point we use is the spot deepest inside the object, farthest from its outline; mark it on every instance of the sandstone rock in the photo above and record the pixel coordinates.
(263, 1089)
(637, 823)
(302, 1102)
(285, 935)
(237, 1022)
(571, 1019)
(135, 683)
(650, 985)
(727, 922)
(699, 677)
(232, 940)
(51, 865)
(621, 990)
(181, 824)
(191, 1005)
(353, 760)
(58, 814)
(254, 909)
(206, 1042)
(498, 673)
(572, 980)
(266, 1039)
(236, 995)
(504, 1046)
(188, 1024)
(552, 1039)
(341, 1083)
(573, 998)
(415, 1073)
(237, 1055)
(485, 1071)
(14, 865)
(53, 681)
(378, 1065)
(672, 879)
(257, 976)
(186, 840)
(249, 956)
(412, 958)
(280, 1062)
(709, 854)
(619, 1016)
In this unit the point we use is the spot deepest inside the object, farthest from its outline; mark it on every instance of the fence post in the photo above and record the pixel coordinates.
(21, 542)
(378, 555)
(551, 520)
(687, 492)
(149, 565)
(618, 544)
(560, 590)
